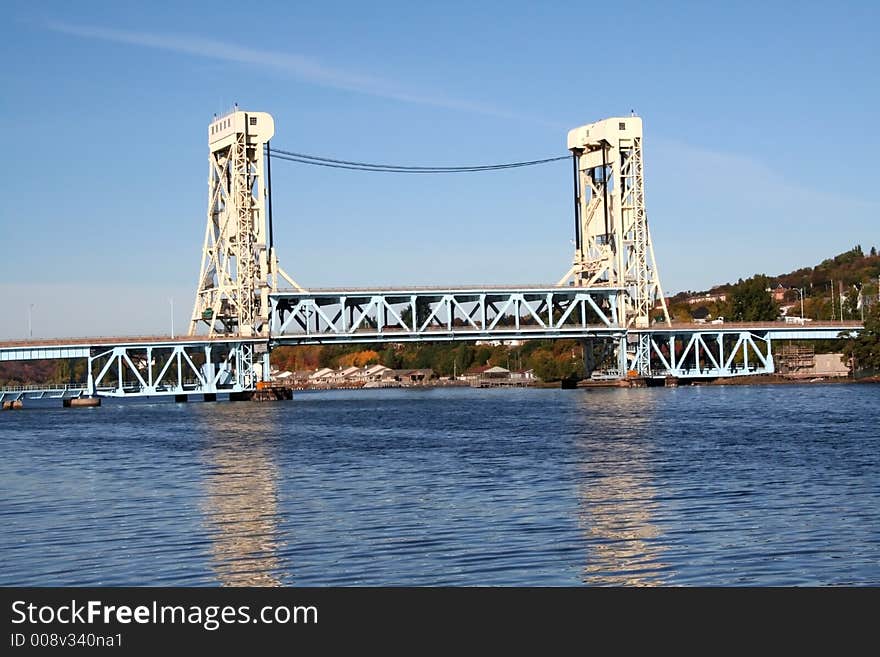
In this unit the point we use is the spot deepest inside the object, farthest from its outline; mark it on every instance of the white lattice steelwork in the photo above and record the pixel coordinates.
(612, 241)
(239, 266)
(174, 368)
(451, 314)
(711, 354)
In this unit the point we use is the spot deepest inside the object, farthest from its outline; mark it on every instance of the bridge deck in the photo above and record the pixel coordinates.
(47, 391)
(758, 326)
(779, 330)
(105, 340)
(427, 289)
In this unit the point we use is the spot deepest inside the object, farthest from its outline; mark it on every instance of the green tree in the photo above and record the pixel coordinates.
(482, 354)
(423, 310)
(544, 365)
(864, 349)
(426, 356)
(390, 358)
(751, 301)
(464, 357)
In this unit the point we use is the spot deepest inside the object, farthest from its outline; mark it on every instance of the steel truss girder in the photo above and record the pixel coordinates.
(171, 369)
(708, 354)
(473, 314)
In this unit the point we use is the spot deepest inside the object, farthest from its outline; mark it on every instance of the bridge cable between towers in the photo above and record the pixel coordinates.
(303, 158)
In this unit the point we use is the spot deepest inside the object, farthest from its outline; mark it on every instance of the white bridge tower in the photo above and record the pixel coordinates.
(239, 265)
(612, 242)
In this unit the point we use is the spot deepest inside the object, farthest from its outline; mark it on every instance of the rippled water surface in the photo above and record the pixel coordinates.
(708, 485)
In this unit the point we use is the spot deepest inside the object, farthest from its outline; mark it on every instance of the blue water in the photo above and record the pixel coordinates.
(740, 485)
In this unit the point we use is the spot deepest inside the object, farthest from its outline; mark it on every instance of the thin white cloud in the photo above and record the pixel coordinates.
(717, 216)
(302, 67)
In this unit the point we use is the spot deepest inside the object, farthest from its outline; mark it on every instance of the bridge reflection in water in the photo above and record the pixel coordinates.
(241, 497)
(618, 500)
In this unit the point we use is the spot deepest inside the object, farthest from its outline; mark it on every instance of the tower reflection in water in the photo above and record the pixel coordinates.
(241, 495)
(618, 505)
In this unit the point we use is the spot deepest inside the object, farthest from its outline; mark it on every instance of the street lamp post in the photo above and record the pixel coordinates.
(171, 301)
(30, 320)
(800, 291)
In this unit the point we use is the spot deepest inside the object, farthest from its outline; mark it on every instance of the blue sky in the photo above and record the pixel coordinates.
(760, 141)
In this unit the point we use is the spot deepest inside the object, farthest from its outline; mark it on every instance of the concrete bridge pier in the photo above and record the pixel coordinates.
(81, 402)
(622, 364)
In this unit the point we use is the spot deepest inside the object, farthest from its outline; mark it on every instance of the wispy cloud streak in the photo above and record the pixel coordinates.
(301, 67)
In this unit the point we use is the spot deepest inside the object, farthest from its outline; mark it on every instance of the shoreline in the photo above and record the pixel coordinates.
(761, 379)
(753, 380)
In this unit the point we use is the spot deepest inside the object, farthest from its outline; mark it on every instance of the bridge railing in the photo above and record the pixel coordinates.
(843, 325)
(47, 387)
(107, 340)
(418, 289)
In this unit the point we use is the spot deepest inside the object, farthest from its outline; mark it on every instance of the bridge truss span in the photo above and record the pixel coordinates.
(174, 368)
(362, 316)
(709, 354)
(701, 351)
(147, 366)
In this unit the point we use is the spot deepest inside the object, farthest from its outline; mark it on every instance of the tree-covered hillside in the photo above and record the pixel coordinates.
(842, 287)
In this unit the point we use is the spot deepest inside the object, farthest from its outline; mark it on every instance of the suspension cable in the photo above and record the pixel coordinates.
(315, 160)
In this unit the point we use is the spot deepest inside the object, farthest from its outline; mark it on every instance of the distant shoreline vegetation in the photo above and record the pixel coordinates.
(551, 360)
(842, 287)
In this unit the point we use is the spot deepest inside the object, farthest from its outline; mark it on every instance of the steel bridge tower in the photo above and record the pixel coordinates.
(239, 265)
(612, 242)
